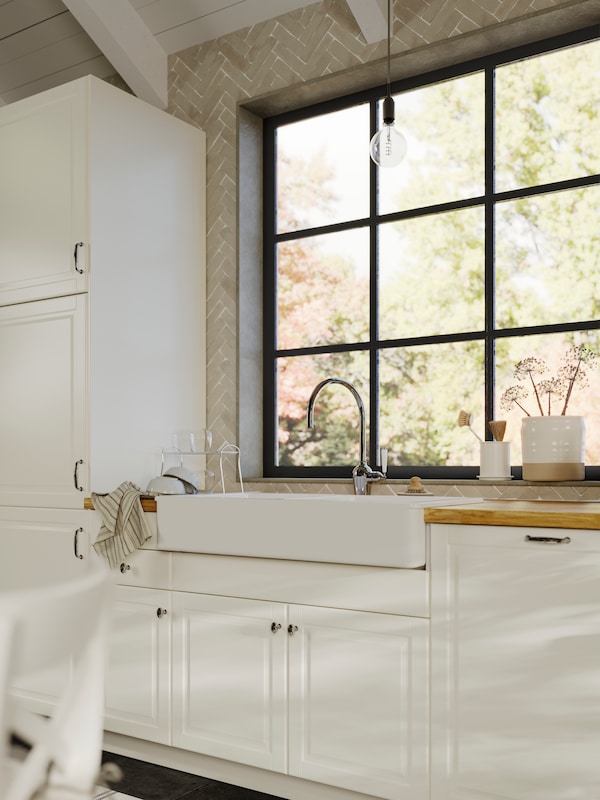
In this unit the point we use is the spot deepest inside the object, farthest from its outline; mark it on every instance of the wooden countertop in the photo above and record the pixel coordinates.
(148, 504)
(521, 513)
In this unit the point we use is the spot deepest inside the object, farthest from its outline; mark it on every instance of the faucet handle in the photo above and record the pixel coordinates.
(383, 457)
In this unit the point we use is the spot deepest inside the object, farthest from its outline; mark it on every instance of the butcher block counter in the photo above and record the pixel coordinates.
(523, 513)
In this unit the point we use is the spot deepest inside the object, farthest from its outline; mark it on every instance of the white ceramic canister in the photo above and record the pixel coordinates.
(494, 461)
(553, 448)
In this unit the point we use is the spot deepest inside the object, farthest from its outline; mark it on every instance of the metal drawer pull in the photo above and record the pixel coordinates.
(161, 612)
(76, 543)
(548, 539)
(275, 626)
(292, 629)
(125, 567)
(75, 257)
(76, 476)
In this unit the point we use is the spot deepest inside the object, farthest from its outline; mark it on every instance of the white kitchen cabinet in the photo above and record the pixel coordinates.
(293, 678)
(229, 678)
(125, 183)
(330, 695)
(358, 686)
(41, 546)
(138, 671)
(43, 403)
(43, 195)
(515, 632)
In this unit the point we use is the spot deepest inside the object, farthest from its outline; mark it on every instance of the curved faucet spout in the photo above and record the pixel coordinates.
(310, 412)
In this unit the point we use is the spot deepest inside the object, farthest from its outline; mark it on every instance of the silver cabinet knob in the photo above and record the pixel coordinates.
(125, 567)
(161, 612)
(275, 626)
(292, 629)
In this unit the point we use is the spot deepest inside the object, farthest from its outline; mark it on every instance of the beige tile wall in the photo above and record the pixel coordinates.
(301, 57)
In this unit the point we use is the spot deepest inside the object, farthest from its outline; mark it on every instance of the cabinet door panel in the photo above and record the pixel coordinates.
(229, 679)
(41, 546)
(358, 701)
(43, 198)
(42, 403)
(516, 648)
(138, 669)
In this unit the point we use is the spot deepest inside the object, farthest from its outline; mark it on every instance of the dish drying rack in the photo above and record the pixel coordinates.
(226, 449)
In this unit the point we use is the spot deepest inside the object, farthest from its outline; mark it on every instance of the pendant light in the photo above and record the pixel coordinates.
(388, 146)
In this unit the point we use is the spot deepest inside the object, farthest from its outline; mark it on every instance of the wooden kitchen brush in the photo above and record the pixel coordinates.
(498, 428)
(465, 420)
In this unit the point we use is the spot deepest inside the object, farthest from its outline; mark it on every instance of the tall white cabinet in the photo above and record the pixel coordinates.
(515, 634)
(102, 276)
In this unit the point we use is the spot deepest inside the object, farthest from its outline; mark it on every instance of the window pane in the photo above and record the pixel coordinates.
(547, 258)
(335, 439)
(422, 390)
(547, 118)
(550, 349)
(323, 170)
(323, 290)
(431, 273)
(444, 128)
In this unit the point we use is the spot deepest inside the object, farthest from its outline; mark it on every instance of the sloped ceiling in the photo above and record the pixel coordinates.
(44, 43)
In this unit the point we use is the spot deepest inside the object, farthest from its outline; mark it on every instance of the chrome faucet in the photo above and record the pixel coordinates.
(362, 474)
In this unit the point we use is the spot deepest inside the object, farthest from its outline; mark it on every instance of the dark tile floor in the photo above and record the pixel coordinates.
(153, 782)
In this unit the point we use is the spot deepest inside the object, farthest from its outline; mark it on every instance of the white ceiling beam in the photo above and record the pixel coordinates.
(371, 16)
(127, 42)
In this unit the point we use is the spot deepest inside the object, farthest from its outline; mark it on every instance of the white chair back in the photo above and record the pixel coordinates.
(40, 628)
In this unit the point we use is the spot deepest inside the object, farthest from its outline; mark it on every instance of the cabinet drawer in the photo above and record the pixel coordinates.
(145, 568)
(380, 589)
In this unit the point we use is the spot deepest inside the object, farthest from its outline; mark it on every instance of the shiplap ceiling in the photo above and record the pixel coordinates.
(44, 43)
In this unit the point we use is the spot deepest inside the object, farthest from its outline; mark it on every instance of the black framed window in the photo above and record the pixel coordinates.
(425, 284)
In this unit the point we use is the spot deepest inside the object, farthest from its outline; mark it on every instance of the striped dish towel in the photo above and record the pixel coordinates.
(124, 527)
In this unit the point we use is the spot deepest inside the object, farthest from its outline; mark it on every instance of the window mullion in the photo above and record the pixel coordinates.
(490, 287)
(374, 301)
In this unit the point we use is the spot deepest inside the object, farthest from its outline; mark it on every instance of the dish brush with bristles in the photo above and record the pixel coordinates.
(498, 429)
(415, 486)
(465, 420)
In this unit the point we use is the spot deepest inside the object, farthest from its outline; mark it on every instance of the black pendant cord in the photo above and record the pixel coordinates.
(389, 37)
(388, 103)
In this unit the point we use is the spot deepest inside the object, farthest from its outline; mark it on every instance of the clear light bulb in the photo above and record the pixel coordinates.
(388, 146)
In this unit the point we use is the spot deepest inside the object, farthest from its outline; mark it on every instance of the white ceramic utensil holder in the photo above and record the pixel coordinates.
(494, 460)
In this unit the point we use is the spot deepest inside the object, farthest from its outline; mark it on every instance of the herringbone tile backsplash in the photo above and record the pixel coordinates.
(206, 84)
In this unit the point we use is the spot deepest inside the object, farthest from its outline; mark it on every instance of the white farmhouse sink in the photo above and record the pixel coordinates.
(344, 529)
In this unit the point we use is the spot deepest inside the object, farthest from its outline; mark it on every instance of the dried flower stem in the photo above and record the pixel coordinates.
(574, 359)
(562, 385)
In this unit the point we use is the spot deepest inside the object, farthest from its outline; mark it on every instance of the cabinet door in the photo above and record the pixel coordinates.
(138, 668)
(515, 660)
(229, 678)
(43, 403)
(41, 546)
(43, 196)
(358, 701)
